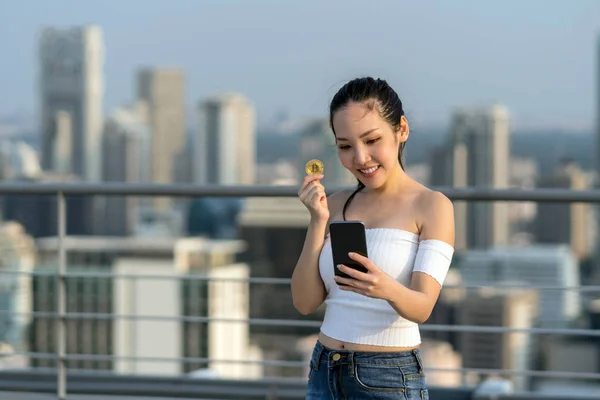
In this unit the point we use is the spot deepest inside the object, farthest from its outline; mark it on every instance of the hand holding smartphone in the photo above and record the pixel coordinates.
(346, 237)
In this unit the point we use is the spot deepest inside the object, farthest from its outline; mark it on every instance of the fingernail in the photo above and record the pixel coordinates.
(339, 266)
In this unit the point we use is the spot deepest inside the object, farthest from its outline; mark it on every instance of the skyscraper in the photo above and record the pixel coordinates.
(530, 267)
(71, 86)
(479, 157)
(126, 149)
(225, 146)
(598, 105)
(163, 92)
(565, 223)
(597, 255)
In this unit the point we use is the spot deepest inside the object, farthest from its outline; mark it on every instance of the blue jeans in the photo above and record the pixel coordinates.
(350, 375)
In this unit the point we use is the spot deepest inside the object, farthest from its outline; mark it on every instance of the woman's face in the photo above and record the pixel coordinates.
(367, 144)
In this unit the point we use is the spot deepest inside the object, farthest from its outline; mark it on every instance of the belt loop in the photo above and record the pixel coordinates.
(317, 362)
(417, 354)
(351, 364)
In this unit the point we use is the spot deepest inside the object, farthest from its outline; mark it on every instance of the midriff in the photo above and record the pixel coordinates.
(339, 345)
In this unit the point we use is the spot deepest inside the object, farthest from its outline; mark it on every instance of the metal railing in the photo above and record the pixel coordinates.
(62, 190)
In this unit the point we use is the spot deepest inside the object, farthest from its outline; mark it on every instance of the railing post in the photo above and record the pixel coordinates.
(61, 328)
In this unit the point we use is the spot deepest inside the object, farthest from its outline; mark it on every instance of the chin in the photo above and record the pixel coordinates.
(371, 183)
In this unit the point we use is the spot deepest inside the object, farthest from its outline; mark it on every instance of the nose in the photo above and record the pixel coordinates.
(361, 156)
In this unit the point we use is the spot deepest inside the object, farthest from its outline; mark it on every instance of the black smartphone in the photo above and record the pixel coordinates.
(346, 237)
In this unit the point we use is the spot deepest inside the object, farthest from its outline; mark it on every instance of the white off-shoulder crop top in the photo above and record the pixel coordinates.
(354, 318)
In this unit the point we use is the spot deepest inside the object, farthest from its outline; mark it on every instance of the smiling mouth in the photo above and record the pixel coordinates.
(369, 170)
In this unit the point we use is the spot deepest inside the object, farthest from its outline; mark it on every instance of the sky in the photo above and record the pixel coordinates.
(537, 57)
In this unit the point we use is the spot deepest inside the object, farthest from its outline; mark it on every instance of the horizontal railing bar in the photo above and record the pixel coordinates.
(501, 329)
(274, 281)
(306, 324)
(103, 374)
(300, 364)
(197, 319)
(186, 360)
(192, 190)
(539, 374)
(108, 275)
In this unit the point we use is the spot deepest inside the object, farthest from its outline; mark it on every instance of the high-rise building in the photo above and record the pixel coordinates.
(195, 277)
(163, 92)
(39, 214)
(71, 86)
(516, 308)
(225, 146)
(598, 105)
(565, 223)
(597, 255)
(531, 267)
(126, 149)
(479, 157)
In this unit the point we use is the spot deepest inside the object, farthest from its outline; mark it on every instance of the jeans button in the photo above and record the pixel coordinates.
(336, 357)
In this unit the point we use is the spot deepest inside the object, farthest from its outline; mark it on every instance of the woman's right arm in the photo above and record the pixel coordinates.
(308, 290)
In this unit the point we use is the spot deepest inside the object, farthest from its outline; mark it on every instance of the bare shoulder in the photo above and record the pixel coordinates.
(431, 201)
(436, 216)
(336, 200)
(335, 203)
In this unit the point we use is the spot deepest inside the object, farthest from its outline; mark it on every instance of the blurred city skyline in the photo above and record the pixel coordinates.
(537, 58)
(151, 92)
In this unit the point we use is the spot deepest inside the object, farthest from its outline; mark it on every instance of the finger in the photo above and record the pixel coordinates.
(311, 178)
(304, 185)
(307, 192)
(310, 186)
(364, 261)
(315, 184)
(349, 282)
(302, 195)
(306, 182)
(351, 289)
(317, 195)
(357, 275)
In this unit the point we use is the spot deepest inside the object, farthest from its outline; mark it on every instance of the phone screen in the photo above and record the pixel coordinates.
(347, 236)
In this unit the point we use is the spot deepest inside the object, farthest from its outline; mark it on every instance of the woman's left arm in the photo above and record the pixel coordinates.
(432, 262)
(416, 302)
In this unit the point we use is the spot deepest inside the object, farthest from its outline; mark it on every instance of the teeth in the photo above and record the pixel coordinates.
(368, 171)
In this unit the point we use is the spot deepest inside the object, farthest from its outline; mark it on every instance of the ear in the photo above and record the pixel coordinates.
(404, 131)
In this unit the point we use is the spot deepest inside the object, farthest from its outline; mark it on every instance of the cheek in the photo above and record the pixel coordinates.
(386, 155)
(345, 158)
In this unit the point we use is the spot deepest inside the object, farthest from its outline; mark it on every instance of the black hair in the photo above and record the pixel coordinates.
(373, 93)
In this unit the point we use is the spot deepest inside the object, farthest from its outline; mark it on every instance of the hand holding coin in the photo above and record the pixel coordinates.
(312, 193)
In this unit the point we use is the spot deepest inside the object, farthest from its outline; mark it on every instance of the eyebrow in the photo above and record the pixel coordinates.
(362, 135)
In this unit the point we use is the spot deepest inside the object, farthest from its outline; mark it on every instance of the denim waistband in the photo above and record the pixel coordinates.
(391, 358)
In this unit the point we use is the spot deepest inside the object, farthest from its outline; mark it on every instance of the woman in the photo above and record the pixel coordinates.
(368, 346)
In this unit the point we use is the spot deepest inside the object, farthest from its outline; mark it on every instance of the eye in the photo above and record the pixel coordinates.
(344, 147)
(373, 141)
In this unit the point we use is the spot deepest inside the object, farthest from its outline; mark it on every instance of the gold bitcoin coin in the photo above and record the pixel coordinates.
(314, 167)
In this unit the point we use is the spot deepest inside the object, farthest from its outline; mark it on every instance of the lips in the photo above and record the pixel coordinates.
(369, 171)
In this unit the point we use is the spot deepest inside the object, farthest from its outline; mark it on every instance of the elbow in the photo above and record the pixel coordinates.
(305, 305)
(304, 311)
(423, 317)
(303, 308)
